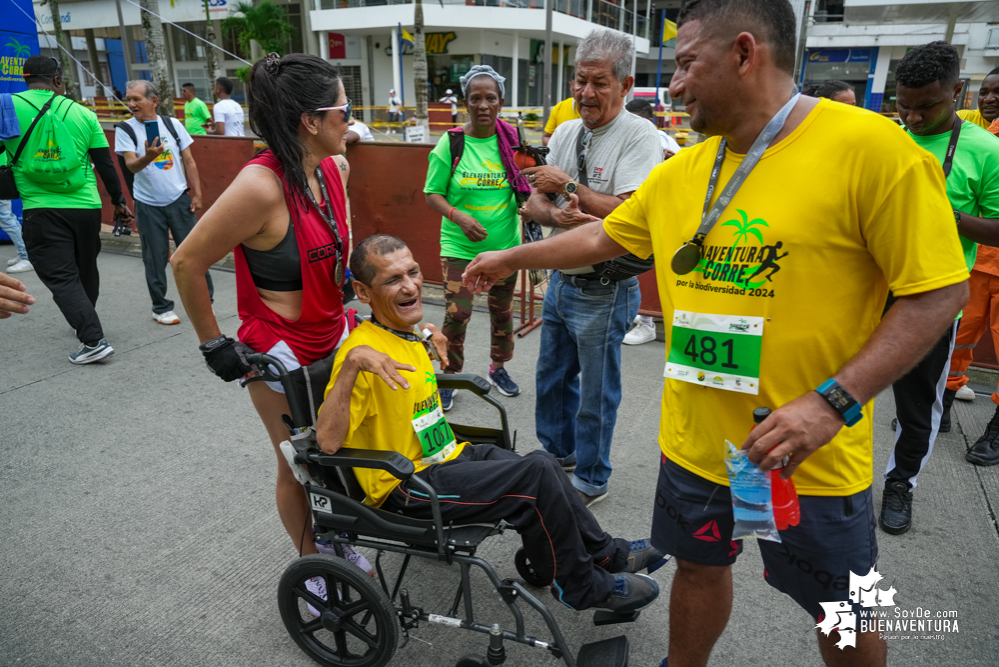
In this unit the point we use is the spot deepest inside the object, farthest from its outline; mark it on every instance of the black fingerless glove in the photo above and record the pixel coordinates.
(226, 357)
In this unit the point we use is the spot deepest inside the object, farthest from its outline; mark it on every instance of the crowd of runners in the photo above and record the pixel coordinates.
(807, 300)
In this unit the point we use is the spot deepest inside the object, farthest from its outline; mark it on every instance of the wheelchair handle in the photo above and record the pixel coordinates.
(264, 364)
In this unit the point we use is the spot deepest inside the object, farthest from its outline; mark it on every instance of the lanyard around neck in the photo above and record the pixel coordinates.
(327, 217)
(948, 162)
(687, 256)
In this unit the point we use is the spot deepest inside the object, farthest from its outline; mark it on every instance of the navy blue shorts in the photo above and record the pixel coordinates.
(693, 521)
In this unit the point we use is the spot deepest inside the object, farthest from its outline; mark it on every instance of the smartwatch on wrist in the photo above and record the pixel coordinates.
(842, 401)
(570, 187)
(957, 217)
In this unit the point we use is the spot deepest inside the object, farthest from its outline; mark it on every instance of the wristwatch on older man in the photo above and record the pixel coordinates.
(570, 187)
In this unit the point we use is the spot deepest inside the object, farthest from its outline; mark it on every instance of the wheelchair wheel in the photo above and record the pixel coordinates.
(527, 571)
(357, 624)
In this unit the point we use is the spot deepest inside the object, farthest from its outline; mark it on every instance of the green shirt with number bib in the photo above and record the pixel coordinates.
(408, 421)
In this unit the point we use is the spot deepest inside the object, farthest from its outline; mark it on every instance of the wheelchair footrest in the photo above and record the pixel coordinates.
(612, 617)
(606, 653)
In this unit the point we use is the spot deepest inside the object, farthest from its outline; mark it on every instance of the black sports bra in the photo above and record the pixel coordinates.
(278, 269)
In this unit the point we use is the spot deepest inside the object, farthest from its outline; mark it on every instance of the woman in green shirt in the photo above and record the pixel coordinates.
(473, 193)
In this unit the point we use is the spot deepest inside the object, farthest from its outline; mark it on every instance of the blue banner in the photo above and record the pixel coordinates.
(18, 41)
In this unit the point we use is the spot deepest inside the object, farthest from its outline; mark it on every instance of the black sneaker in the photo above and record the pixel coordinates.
(88, 355)
(447, 399)
(896, 508)
(500, 379)
(641, 556)
(985, 451)
(631, 593)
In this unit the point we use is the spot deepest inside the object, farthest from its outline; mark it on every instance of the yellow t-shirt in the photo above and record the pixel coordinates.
(831, 217)
(974, 116)
(383, 419)
(561, 112)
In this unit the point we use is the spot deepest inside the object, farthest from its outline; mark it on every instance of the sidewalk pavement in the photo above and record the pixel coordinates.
(139, 524)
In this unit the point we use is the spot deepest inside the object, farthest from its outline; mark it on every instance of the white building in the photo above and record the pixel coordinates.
(861, 42)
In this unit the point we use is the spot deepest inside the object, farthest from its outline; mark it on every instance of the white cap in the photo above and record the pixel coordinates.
(448, 92)
(391, 90)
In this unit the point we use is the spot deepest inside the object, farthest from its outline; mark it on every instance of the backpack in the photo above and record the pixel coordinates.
(127, 129)
(50, 157)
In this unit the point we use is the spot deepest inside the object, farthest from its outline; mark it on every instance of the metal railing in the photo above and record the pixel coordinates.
(604, 13)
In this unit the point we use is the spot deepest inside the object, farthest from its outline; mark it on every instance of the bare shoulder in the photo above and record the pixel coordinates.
(254, 202)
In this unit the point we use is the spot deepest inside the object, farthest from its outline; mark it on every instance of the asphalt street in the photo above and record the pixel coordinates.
(138, 523)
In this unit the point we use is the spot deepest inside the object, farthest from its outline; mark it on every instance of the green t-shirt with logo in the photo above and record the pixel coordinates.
(479, 188)
(973, 183)
(195, 114)
(87, 133)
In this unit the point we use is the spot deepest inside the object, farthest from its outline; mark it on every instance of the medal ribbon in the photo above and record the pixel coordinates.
(709, 218)
(330, 220)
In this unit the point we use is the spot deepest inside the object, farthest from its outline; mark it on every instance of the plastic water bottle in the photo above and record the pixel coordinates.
(783, 495)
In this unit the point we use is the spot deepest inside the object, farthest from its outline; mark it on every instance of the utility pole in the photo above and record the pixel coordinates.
(152, 30)
(127, 50)
(68, 67)
(95, 64)
(211, 58)
(420, 69)
(546, 75)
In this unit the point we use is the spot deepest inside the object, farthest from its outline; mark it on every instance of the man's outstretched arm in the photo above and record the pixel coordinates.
(587, 244)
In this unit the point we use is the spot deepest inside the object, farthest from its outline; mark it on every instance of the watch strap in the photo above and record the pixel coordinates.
(850, 409)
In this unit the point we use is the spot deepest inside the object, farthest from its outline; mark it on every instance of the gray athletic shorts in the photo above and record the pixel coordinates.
(693, 521)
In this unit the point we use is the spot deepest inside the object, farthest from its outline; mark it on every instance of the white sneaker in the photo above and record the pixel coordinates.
(168, 317)
(965, 393)
(640, 333)
(12, 262)
(20, 266)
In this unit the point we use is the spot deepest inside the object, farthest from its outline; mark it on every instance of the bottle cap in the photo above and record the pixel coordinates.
(759, 414)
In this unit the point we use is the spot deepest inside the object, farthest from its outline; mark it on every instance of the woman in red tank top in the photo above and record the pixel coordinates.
(284, 216)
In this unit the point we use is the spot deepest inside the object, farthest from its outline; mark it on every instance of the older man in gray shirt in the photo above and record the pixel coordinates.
(596, 163)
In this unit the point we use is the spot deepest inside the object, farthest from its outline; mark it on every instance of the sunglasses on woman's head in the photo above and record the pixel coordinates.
(345, 108)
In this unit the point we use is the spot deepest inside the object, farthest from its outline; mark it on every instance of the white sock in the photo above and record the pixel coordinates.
(645, 320)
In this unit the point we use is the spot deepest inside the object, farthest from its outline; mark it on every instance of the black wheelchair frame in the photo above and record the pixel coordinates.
(340, 518)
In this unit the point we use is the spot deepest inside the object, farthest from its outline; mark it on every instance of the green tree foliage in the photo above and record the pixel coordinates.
(265, 23)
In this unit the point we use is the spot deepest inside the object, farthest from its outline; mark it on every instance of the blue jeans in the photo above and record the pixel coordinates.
(579, 374)
(9, 223)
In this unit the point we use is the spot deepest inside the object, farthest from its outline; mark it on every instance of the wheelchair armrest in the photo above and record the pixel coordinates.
(392, 462)
(469, 381)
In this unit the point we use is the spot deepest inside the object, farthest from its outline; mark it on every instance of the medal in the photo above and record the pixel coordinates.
(686, 257)
(338, 272)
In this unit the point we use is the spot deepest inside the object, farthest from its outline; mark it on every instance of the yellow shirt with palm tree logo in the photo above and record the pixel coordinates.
(408, 421)
(792, 280)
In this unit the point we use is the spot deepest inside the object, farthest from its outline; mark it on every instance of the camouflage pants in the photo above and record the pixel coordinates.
(459, 311)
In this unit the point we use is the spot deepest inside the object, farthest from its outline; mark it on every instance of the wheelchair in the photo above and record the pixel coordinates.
(362, 619)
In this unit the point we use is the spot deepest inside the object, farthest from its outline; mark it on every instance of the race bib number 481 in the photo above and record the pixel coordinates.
(719, 351)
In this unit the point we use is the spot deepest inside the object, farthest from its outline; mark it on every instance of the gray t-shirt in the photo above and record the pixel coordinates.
(619, 157)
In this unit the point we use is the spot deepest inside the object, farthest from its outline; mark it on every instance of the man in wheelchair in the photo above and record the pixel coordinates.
(399, 410)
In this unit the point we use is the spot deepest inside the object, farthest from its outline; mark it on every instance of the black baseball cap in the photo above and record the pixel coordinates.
(46, 66)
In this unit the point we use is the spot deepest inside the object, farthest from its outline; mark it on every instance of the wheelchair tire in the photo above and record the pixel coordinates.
(357, 627)
(527, 571)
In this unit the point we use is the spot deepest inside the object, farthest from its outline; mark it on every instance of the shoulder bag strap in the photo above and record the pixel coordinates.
(27, 134)
(457, 145)
(581, 177)
(166, 120)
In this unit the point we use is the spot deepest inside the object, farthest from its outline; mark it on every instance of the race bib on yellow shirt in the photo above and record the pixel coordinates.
(719, 351)
(435, 436)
